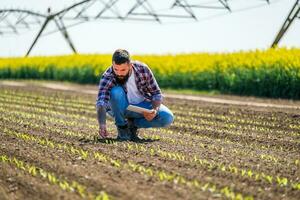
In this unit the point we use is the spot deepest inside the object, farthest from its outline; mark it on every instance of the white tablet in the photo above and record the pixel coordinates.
(138, 109)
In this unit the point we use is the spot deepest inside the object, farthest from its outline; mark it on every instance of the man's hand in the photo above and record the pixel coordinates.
(150, 116)
(103, 133)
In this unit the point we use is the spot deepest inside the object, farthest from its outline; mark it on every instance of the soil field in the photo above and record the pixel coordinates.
(212, 151)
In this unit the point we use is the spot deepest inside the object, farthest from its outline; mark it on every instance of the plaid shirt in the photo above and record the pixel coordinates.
(145, 82)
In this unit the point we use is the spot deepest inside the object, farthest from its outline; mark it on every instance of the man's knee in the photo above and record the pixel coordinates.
(117, 92)
(167, 119)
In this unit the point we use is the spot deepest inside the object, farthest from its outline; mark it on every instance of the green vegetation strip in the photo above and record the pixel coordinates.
(271, 72)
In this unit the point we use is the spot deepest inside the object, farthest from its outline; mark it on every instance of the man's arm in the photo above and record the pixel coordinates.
(154, 89)
(101, 106)
(105, 85)
(155, 92)
(156, 105)
(101, 115)
(155, 108)
(102, 102)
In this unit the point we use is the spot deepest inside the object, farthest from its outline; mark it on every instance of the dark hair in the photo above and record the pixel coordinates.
(121, 56)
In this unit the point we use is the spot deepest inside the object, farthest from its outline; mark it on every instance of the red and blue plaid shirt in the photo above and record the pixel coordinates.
(145, 82)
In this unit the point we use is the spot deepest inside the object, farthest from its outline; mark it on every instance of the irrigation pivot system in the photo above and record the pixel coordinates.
(15, 21)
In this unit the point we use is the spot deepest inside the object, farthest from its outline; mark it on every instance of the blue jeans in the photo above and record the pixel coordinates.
(119, 103)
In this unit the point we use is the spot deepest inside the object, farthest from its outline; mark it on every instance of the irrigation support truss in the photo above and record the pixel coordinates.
(12, 21)
(293, 14)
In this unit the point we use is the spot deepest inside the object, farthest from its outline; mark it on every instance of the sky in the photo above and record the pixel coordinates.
(215, 30)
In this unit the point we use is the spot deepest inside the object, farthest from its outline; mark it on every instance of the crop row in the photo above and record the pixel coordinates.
(209, 165)
(90, 123)
(194, 111)
(160, 175)
(207, 127)
(196, 121)
(53, 178)
(230, 124)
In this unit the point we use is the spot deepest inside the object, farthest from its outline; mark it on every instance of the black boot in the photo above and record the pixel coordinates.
(133, 131)
(123, 133)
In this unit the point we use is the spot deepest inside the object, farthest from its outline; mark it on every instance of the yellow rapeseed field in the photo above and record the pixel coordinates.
(272, 72)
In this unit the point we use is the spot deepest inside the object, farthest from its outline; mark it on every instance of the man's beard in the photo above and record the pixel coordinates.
(121, 80)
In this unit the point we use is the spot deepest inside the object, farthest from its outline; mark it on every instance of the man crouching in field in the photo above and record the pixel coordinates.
(125, 83)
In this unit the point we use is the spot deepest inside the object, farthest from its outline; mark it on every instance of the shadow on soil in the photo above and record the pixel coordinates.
(95, 140)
